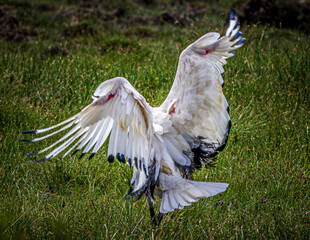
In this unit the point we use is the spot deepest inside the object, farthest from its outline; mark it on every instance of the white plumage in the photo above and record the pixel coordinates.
(164, 145)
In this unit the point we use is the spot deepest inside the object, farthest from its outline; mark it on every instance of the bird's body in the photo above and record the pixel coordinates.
(164, 145)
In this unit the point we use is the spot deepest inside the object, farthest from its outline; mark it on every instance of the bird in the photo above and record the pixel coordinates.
(164, 145)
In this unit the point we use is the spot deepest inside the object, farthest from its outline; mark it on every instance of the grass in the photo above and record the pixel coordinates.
(266, 161)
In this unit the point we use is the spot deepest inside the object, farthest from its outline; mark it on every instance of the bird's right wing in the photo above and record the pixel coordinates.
(118, 111)
(196, 102)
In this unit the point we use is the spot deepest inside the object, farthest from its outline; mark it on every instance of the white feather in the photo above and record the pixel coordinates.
(89, 135)
(108, 124)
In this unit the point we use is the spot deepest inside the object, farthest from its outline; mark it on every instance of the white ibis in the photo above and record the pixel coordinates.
(165, 144)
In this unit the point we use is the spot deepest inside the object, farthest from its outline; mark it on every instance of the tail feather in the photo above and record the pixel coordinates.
(182, 192)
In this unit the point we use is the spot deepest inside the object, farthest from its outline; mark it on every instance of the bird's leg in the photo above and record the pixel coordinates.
(150, 202)
(159, 217)
(155, 220)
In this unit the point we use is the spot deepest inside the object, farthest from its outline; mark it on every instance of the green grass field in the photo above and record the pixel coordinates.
(266, 161)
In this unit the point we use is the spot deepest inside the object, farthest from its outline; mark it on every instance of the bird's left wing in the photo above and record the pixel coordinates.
(118, 111)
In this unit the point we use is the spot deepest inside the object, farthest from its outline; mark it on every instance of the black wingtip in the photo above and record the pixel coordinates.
(91, 156)
(132, 194)
(123, 159)
(30, 154)
(238, 35)
(120, 158)
(129, 193)
(232, 14)
(41, 160)
(81, 155)
(241, 41)
(75, 152)
(25, 140)
(111, 158)
(29, 132)
(144, 169)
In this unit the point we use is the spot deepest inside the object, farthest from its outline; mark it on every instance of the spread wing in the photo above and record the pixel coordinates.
(196, 102)
(118, 111)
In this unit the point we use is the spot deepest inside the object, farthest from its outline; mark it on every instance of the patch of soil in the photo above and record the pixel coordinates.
(80, 29)
(11, 30)
(287, 14)
(183, 17)
(118, 12)
(6, 10)
(44, 7)
(140, 31)
(175, 18)
(138, 20)
(55, 50)
(64, 13)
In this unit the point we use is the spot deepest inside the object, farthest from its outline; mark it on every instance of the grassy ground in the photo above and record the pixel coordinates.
(266, 161)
